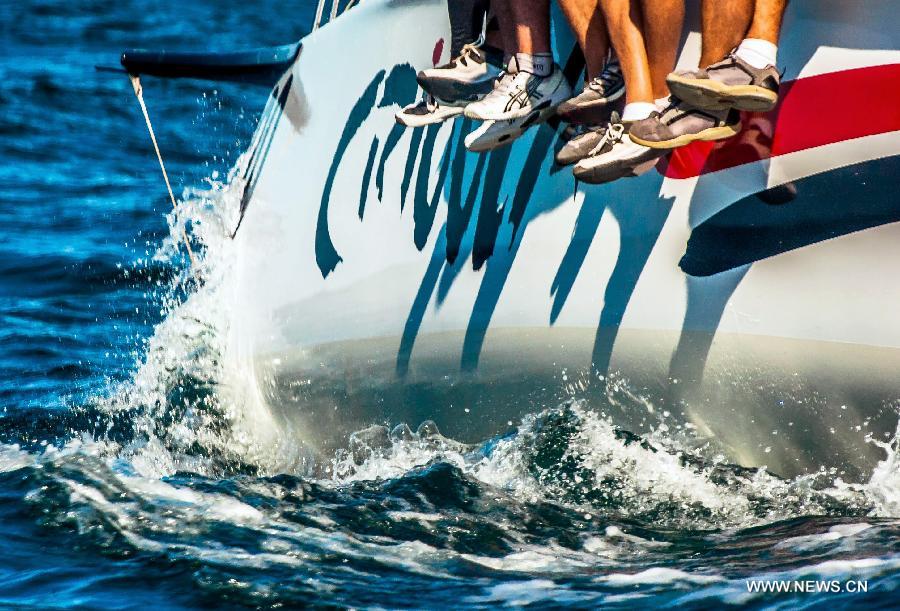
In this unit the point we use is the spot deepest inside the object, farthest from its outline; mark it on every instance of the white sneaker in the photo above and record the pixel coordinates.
(466, 78)
(426, 111)
(614, 157)
(517, 94)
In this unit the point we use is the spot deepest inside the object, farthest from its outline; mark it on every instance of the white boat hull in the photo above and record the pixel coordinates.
(387, 275)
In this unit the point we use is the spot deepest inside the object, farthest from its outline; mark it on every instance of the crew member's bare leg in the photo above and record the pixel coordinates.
(760, 47)
(531, 25)
(586, 20)
(494, 38)
(616, 155)
(625, 24)
(503, 37)
(663, 21)
(604, 88)
(724, 25)
(767, 19)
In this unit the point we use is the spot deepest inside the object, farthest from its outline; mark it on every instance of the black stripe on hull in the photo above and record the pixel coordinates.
(795, 215)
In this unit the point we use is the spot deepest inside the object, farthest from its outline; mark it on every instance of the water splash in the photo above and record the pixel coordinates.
(192, 403)
(574, 455)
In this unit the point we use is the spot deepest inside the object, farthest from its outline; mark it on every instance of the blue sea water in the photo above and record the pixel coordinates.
(121, 487)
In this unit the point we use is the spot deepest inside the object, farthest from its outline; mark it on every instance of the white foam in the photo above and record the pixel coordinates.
(548, 559)
(657, 576)
(861, 567)
(425, 518)
(835, 533)
(218, 507)
(12, 457)
(522, 593)
(649, 478)
(631, 598)
(883, 488)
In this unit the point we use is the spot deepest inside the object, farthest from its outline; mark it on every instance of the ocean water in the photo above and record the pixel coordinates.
(126, 481)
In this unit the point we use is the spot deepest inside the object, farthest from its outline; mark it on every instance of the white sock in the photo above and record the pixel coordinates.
(635, 111)
(757, 52)
(539, 64)
(662, 103)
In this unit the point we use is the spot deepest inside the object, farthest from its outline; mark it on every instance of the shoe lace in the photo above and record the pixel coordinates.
(611, 74)
(597, 84)
(469, 50)
(508, 82)
(612, 135)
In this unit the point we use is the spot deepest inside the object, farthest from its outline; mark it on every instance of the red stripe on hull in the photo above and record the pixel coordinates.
(811, 112)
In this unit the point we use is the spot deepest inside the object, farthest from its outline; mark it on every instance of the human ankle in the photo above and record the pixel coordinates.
(538, 64)
(635, 111)
(757, 52)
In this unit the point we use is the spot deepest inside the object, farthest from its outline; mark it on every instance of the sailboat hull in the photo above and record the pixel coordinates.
(743, 292)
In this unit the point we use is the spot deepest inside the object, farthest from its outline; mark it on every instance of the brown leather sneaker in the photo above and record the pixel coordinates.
(730, 83)
(681, 124)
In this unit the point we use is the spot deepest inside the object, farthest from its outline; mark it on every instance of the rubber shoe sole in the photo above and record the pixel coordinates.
(710, 94)
(445, 113)
(600, 175)
(485, 138)
(709, 134)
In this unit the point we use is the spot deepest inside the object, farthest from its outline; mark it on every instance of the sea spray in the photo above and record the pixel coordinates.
(193, 402)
